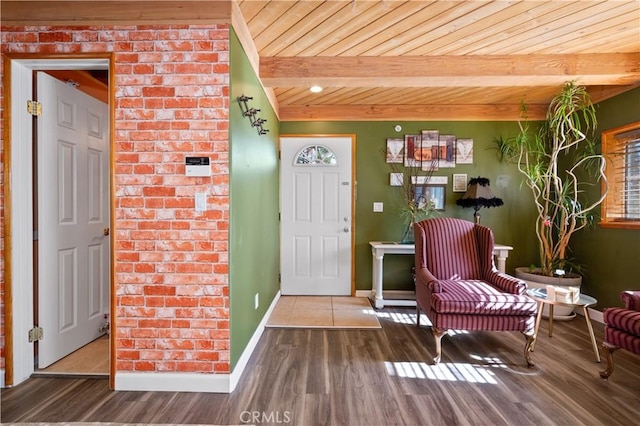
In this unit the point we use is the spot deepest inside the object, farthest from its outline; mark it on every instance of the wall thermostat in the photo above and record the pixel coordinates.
(197, 166)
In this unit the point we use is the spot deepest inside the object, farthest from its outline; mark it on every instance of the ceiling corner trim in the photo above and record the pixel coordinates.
(114, 12)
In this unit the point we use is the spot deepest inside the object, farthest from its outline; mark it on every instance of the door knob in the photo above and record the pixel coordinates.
(346, 229)
(105, 231)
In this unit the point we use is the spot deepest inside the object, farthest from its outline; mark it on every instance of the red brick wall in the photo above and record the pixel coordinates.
(172, 101)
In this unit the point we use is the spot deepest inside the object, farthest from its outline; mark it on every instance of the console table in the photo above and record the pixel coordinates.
(380, 248)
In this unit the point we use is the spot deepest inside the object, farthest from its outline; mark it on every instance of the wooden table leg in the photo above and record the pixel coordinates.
(593, 338)
(538, 319)
(550, 319)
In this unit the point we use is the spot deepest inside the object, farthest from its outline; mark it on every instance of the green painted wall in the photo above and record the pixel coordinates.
(612, 256)
(254, 242)
(510, 223)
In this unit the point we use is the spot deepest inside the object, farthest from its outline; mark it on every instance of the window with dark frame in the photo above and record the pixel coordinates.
(621, 147)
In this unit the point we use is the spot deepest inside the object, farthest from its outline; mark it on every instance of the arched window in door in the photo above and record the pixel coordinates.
(316, 155)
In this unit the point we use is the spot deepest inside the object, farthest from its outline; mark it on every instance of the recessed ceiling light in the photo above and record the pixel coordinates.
(316, 89)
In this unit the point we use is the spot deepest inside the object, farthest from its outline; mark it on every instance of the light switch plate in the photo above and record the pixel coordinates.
(201, 201)
(378, 207)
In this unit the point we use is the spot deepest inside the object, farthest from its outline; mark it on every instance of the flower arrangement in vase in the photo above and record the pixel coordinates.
(413, 210)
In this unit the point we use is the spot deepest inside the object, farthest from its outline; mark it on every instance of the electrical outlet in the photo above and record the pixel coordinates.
(378, 206)
(257, 300)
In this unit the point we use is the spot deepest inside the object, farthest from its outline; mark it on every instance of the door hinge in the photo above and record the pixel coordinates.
(35, 235)
(36, 333)
(34, 108)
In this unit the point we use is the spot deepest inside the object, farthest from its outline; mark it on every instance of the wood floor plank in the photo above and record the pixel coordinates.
(373, 377)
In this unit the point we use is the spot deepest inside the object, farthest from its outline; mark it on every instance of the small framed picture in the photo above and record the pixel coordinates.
(396, 179)
(459, 183)
(430, 193)
(464, 151)
(395, 150)
(412, 146)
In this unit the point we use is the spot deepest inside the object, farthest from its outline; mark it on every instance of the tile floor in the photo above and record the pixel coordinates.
(323, 312)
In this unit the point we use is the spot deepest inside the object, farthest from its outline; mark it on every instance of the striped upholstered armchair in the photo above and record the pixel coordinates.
(621, 328)
(459, 287)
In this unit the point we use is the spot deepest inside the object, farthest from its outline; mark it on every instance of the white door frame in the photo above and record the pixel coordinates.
(18, 193)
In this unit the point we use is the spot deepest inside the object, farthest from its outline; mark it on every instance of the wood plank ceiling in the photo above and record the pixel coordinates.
(439, 60)
(400, 60)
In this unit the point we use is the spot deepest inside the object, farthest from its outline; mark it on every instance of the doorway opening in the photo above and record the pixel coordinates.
(23, 263)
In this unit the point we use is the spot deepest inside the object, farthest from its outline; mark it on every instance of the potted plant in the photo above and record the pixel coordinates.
(558, 161)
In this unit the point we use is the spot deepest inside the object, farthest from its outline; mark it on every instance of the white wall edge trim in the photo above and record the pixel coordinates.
(194, 382)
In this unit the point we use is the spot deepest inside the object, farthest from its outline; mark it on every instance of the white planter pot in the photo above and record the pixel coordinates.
(542, 281)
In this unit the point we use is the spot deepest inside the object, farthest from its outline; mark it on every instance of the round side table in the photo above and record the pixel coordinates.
(540, 296)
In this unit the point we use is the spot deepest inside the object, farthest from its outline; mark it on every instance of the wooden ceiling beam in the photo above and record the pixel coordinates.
(601, 93)
(451, 71)
(112, 12)
(510, 112)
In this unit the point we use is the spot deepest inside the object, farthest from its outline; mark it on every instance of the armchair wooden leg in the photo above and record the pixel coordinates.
(438, 334)
(531, 341)
(417, 314)
(608, 350)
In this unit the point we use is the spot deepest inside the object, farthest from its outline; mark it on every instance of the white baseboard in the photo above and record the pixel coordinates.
(391, 294)
(363, 293)
(194, 382)
(593, 314)
(172, 382)
(236, 374)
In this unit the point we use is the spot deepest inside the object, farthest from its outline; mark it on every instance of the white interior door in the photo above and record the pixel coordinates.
(316, 215)
(73, 218)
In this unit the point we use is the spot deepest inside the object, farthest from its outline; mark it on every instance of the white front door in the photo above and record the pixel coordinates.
(316, 184)
(73, 218)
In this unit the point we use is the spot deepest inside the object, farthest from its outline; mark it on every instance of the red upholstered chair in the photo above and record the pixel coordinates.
(459, 287)
(621, 328)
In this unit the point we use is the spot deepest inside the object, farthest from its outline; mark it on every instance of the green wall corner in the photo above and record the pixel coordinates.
(254, 241)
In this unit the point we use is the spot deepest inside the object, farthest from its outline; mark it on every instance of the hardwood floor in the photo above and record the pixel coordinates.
(91, 360)
(373, 377)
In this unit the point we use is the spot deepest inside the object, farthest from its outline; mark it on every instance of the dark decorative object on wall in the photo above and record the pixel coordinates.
(479, 195)
(251, 113)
